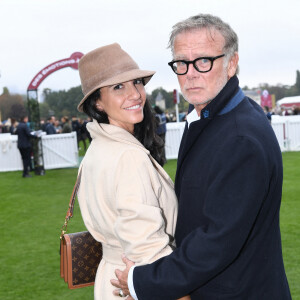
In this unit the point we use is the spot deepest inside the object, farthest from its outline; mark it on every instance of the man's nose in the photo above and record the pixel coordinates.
(192, 72)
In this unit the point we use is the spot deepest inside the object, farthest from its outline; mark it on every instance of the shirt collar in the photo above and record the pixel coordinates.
(192, 117)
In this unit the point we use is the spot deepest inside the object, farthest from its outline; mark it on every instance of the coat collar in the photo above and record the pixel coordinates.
(113, 132)
(121, 135)
(220, 101)
(214, 108)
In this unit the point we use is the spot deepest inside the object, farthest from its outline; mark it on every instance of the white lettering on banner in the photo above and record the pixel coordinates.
(37, 79)
(57, 65)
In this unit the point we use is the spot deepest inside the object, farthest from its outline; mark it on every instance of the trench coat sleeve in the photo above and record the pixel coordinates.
(140, 225)
(238, 184)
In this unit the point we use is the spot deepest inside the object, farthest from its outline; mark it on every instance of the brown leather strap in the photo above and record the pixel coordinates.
(71, 205)
(73, 197)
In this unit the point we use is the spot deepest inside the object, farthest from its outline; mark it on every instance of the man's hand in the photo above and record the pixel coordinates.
(122, 276)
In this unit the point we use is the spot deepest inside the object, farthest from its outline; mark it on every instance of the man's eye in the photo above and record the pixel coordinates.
(203, 61)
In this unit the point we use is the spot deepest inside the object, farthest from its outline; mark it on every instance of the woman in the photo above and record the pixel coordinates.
(126, 198)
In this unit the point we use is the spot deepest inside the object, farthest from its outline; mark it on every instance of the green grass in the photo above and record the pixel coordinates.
(289, 220)
(32, 211)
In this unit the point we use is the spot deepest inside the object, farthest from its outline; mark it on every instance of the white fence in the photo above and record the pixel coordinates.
(60, 150)
(287, 131)
(173, 138)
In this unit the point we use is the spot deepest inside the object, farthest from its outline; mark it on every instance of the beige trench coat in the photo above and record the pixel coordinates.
(127, 202)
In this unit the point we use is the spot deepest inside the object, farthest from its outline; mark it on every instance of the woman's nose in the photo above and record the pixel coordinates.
(134, 93)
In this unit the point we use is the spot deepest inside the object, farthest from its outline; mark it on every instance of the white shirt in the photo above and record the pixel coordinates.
(192, 117)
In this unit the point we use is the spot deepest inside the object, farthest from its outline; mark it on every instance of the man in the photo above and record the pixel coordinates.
(24, 144)
(50, 129)
(228, 182)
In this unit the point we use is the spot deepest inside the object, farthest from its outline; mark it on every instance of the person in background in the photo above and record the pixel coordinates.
(57, 126)
(228, 182)
(161, 126)
(268, 113)
(126, 198)
(66, 128)
(43, 125)
(83, 132)
(13, 127)
(24, 145)
(6, 125)
(49, 128)
(76, 127)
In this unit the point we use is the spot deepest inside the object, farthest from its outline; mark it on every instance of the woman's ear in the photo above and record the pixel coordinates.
(99, 105)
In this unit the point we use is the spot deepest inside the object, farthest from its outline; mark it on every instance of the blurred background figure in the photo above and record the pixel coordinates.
(76, 127)
(83, 134)
(49, 128)
(66, 127)
(268, 113)
(24, 144)
(57, 126)
(161, 126)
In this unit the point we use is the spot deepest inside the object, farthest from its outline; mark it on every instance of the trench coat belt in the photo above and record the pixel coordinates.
(112, 255)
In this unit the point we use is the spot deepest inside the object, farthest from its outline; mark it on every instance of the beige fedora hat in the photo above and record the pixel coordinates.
(105, 66)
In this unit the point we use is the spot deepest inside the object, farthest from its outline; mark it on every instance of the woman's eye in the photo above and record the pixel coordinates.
(118, 86)
(138, 81)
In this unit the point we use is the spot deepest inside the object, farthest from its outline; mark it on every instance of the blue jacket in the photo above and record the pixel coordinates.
(162, 123)
(50, 128)
(228, 184)
(24, 135)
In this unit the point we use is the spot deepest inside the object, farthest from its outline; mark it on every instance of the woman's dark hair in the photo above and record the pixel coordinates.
(144, 131)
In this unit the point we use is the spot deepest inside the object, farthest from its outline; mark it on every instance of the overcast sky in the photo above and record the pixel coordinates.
(35, 33)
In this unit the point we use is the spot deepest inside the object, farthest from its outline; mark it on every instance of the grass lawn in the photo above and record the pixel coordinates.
(32, 211)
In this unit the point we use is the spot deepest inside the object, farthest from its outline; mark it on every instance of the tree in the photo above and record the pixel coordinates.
(61, 102)
(11, 105)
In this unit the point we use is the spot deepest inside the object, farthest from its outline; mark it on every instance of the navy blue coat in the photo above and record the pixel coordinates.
(24, 135)
(228, 184)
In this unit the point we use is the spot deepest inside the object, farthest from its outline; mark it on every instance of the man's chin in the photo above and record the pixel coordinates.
(196, 100)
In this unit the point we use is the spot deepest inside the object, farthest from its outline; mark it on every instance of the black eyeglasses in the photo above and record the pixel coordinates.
(201, 64)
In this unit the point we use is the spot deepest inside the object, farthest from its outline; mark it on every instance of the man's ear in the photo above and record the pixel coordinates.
(233, 65)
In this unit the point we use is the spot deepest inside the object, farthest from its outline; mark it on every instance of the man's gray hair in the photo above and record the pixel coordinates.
(209, 22)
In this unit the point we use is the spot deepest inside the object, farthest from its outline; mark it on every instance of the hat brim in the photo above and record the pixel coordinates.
(123, 77)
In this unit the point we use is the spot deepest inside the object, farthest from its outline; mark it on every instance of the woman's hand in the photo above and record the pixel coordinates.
(188, 297)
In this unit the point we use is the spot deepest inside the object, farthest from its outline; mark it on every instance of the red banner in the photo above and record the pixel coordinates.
(266, 99)
(72, 62)
(176, 98)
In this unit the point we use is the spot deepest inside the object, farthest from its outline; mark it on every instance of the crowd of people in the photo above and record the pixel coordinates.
(67, 125)
(54, 126)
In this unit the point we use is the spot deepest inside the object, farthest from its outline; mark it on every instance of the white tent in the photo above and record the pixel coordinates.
(289, 101)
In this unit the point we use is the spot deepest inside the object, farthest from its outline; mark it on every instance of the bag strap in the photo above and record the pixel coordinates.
(69, 214)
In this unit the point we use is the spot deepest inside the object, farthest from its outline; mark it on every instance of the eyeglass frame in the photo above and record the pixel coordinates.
(188, 62)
